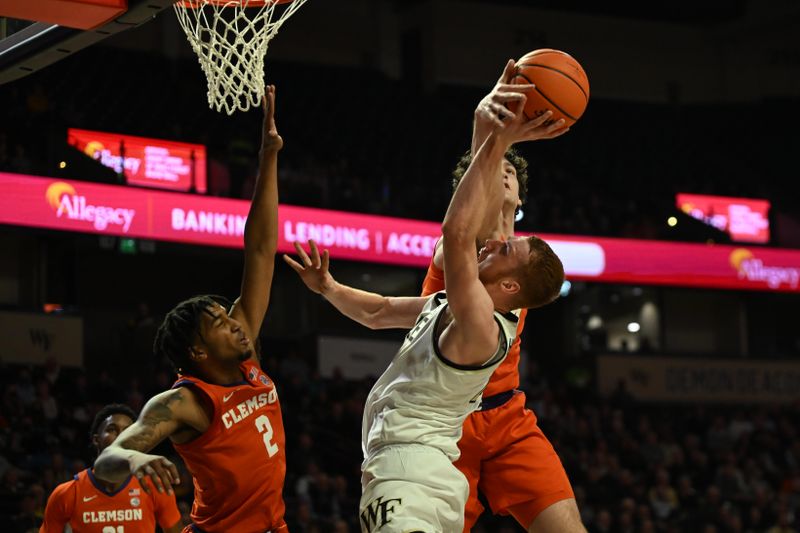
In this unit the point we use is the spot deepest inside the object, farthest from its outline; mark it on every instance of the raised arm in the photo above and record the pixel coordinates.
(472, 337)
(164, 415)
(367, 308)
(261, 228)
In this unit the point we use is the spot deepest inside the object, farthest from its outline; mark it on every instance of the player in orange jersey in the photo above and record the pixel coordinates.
(89, 505)
(504, 454)
(222, 414)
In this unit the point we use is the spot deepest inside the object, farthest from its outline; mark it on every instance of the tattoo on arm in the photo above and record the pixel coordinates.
(148, 432)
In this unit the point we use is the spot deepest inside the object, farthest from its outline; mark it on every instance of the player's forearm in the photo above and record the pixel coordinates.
(261, 228)
(478, 196)
(480, 131)
(113, 464)
(361, 306)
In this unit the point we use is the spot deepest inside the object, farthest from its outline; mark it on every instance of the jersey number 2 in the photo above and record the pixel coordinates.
(263, 426)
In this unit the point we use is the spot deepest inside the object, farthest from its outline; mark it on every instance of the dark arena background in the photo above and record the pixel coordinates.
(667, 376)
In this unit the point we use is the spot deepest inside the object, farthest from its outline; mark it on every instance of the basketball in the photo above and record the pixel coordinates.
(561, 85)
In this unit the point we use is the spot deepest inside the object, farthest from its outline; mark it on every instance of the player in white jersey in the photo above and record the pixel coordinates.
(414, 413)
(416, 409)
(423, 386)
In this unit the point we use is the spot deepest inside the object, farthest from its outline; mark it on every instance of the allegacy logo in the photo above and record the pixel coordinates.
(66, 202)
(753, 268)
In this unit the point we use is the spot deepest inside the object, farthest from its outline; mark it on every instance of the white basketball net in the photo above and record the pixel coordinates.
(231, 40)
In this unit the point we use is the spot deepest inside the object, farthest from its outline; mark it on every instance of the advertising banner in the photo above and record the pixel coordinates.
(210, 221)
(744, 219)
(144, 161)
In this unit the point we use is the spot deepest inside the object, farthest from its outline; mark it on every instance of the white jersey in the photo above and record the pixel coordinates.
(422, 397)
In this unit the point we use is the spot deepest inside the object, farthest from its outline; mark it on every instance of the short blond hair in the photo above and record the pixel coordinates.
(540, 278)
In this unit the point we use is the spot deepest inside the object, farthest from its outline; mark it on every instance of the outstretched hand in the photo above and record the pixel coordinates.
(270, 138)
(314, 269)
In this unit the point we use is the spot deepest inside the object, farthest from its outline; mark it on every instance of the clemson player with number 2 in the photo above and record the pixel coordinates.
(223, 414)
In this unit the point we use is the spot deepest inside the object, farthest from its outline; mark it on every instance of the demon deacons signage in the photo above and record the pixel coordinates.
(684, 379)
(32, 338)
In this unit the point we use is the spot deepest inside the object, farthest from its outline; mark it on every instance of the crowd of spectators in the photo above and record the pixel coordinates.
(356, 140)
(634, 467)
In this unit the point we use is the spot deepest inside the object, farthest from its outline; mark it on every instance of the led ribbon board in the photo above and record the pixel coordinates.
(209, 221)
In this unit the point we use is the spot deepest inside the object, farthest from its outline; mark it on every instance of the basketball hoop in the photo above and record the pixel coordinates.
(230, 38)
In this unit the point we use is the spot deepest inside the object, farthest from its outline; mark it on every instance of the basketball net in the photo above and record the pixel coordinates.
(230, 39)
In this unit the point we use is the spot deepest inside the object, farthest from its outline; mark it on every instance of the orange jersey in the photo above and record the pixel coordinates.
(87, 507)
(506, 377)
(239, 463)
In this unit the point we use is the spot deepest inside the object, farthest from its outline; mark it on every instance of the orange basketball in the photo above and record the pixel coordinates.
(561, 84)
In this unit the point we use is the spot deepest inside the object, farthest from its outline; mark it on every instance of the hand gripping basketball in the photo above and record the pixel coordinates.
(492, 108)
(498, 109)
(517, 128)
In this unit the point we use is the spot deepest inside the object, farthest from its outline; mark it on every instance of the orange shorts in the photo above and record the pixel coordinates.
(506, 457)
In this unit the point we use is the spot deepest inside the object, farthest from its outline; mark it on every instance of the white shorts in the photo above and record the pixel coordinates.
(412, 488)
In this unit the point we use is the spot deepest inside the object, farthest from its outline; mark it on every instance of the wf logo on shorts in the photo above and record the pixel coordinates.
(377, 512)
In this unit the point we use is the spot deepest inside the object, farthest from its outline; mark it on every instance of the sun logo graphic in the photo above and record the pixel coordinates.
(752, 268)
(738, 256)
(93, 148)
(64, 199)
(55, 191)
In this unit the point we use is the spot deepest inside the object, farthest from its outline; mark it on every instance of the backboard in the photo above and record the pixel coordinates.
(34, 35)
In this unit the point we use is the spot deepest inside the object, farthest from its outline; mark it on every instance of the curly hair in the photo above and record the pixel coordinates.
(181, 327)
(513, 157)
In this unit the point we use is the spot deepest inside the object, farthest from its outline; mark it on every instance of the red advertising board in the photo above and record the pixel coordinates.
(115, 210)
(744, 219)
(144, 161)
